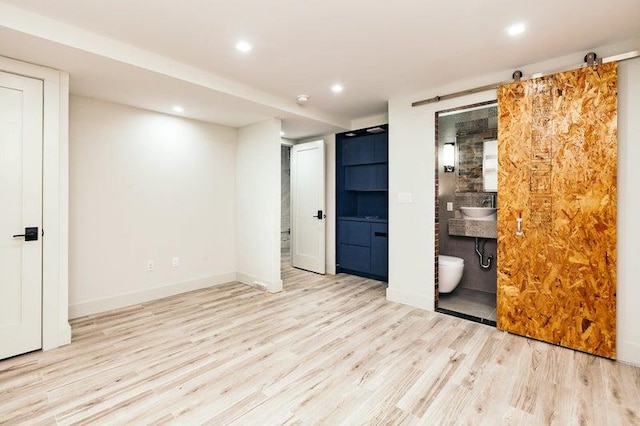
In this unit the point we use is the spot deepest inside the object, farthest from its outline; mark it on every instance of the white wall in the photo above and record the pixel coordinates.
(258, 205)
(375, 120)
(330, 202)
(147, 186)
(628, 293)
(411, 170)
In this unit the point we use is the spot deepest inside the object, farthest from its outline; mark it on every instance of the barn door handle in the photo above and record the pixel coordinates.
(30, 234)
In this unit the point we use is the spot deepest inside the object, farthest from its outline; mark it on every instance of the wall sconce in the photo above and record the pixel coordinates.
(449, 156)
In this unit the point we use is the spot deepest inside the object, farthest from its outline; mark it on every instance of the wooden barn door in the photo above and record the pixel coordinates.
(557, 173)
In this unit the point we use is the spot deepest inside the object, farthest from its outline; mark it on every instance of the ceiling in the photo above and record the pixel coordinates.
(183, 53)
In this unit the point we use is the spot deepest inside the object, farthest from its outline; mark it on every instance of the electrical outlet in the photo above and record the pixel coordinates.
(449, 206)
(150, 266)
(175, 262)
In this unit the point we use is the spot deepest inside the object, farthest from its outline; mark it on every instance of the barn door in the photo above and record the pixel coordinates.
(557, 209)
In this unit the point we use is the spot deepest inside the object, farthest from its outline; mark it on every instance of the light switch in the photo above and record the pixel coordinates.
(449, 206)
(405, 198)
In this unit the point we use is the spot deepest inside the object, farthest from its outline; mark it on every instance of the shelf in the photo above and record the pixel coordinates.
(473, 228)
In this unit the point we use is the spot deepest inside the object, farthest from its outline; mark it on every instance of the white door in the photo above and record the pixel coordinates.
(20, 208)
(307, 207)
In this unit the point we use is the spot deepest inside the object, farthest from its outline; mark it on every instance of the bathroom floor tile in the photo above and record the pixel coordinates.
(470, 302)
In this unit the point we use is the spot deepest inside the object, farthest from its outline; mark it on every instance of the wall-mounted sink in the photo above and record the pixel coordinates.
(478, 213)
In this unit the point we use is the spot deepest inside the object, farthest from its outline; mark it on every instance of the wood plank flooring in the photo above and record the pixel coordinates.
(327, 350)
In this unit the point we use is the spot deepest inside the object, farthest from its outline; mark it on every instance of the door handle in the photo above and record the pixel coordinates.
(319, 215)
(30, 234)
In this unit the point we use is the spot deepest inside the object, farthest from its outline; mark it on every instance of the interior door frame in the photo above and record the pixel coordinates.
(55, 199)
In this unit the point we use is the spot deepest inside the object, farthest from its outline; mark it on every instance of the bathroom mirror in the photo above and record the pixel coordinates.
(474, 131)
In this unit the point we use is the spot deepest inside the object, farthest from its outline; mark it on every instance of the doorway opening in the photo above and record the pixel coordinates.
(466, 247)
(285, 205)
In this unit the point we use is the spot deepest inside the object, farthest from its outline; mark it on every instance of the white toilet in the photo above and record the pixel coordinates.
(450, 270)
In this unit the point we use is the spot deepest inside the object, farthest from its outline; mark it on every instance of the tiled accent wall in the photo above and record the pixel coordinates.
(473, 127)
(285, 191)
(473, 199)
(470, 151)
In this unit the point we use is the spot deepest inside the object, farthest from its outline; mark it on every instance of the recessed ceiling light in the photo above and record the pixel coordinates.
(515, 29)
(178, 108)
(337, 88)
(244, 46)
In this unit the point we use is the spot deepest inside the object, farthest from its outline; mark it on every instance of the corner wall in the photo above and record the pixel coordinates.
(147, 186)
(258, 205)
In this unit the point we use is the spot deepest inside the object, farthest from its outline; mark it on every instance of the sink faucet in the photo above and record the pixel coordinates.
(490, 201)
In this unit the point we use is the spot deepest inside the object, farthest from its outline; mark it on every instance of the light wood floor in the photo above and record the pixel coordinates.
(327, 350)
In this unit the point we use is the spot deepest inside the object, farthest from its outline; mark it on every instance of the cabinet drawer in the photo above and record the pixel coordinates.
(356, 258)
(354, 232)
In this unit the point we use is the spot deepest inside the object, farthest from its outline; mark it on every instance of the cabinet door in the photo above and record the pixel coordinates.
(382, 176)
(354, 232)
(356, 258)
(360, 178)
(372, 177)
(380, 148)
(357, 150)
(379, 249)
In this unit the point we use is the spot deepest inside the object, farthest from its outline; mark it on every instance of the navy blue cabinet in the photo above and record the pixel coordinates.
(379, 249)
(363, 246)
(367, 177)
(362, 182)
(355, 232)
(355, 258)
(365, 149)
(356, 151)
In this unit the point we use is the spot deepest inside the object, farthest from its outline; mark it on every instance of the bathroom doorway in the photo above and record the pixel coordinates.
(466, 247)
(285, 204)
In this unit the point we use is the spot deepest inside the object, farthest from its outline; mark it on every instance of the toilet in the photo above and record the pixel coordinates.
(450, 270)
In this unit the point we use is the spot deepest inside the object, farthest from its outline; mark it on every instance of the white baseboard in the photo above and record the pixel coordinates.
(120, 301)
(411, 299)
(253, 281)
(629, 352)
